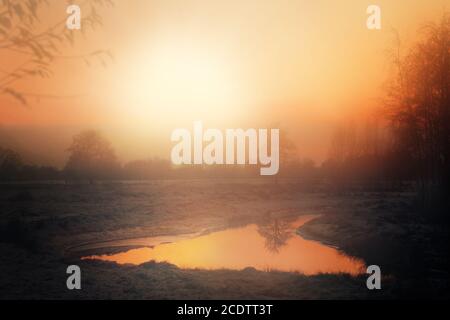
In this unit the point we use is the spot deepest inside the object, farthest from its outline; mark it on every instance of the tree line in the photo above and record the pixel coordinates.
(410, 137)
(408, 141)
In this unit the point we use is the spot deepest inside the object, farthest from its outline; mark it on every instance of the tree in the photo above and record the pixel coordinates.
(10, 164)
(418, 105)
(91, 157)
(24, 32)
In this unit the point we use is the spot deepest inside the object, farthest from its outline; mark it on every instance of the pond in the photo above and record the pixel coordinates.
(269, 245)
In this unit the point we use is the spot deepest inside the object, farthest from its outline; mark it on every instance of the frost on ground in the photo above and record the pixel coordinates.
(41, 223)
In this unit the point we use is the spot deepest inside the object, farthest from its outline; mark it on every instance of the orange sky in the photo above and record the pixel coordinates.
(300, 65)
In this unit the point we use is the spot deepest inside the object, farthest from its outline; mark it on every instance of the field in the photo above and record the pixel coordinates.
(46, 227)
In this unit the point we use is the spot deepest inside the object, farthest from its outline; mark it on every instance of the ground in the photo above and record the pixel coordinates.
(42, 225)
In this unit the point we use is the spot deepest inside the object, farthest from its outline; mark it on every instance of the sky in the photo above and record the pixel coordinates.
(301, 66)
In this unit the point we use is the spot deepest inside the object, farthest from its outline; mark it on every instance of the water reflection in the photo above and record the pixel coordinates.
(272, 245)
(276, 233)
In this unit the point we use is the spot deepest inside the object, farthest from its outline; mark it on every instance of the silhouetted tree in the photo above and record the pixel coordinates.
(91, 157)
(358, 155)
(418, 106)
(10, 164)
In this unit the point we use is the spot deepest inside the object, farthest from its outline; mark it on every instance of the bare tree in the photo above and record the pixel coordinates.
(418, 105)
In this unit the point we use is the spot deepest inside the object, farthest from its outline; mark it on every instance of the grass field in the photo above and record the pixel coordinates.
(42, 224)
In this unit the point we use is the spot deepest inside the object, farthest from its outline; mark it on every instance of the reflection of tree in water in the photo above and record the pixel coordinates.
(276, 232)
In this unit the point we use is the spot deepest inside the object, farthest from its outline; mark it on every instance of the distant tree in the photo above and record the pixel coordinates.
(357, 154)
(288, 150)
(91, 157)
(344, 143)
(10, 164)
(25, 32)
(32, 172)
(288, 156)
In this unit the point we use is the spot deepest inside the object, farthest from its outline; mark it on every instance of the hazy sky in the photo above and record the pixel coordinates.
(303, 66)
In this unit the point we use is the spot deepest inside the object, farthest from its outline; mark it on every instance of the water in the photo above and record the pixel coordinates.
(272, 245)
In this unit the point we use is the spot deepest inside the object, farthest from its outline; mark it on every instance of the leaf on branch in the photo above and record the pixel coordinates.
(32, 7)
(54, 36)
(16, 95)
(41, 62)
(36, 51)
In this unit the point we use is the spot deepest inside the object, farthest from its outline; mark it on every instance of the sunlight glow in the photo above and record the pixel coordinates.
(177, 82)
